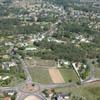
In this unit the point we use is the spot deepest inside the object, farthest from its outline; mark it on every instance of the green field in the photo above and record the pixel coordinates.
(69, 75)
(40, 75)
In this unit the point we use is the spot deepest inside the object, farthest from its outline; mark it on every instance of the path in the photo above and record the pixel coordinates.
(25, 68)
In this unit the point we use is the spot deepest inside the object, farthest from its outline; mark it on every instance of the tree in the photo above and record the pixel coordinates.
(22, 75)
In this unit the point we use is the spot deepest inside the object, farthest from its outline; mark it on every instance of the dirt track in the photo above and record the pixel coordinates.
(56, 76)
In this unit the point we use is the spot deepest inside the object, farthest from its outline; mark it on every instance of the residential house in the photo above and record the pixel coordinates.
(5, 78)
(62, 96)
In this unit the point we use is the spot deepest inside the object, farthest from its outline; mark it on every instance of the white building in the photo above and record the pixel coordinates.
(31, 49)
(5, 78)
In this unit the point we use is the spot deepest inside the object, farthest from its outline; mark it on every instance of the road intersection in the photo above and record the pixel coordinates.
(28, 87)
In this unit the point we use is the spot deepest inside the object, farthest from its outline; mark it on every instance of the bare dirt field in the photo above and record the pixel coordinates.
(32, 98)
(40, 63)
(56, 75)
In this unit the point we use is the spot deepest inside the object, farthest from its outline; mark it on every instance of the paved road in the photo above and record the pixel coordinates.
(25, 68)
(22, 95)
(60, 85)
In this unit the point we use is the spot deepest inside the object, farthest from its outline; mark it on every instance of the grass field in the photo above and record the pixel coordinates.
(89, 91)
(69, 74)
(40, 75)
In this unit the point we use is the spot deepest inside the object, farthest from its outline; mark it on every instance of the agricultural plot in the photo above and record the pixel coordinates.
(56, 76)
(69, 75)
(44, 71)
(40, 75)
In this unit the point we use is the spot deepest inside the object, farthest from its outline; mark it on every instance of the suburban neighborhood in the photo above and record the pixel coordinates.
(49, 49)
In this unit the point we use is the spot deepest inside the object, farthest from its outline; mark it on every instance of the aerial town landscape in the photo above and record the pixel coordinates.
(49, 49)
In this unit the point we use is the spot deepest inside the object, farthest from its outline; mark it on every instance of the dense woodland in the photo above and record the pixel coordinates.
(60, 51)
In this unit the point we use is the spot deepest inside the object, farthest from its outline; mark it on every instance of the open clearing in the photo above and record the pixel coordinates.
(69, 75)
(32, 98)
(45, 71)
(56, 76)
(40, 75)
(37, 62)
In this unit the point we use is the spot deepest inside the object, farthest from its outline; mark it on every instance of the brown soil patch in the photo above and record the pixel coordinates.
(32, 98)
(56, 75)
